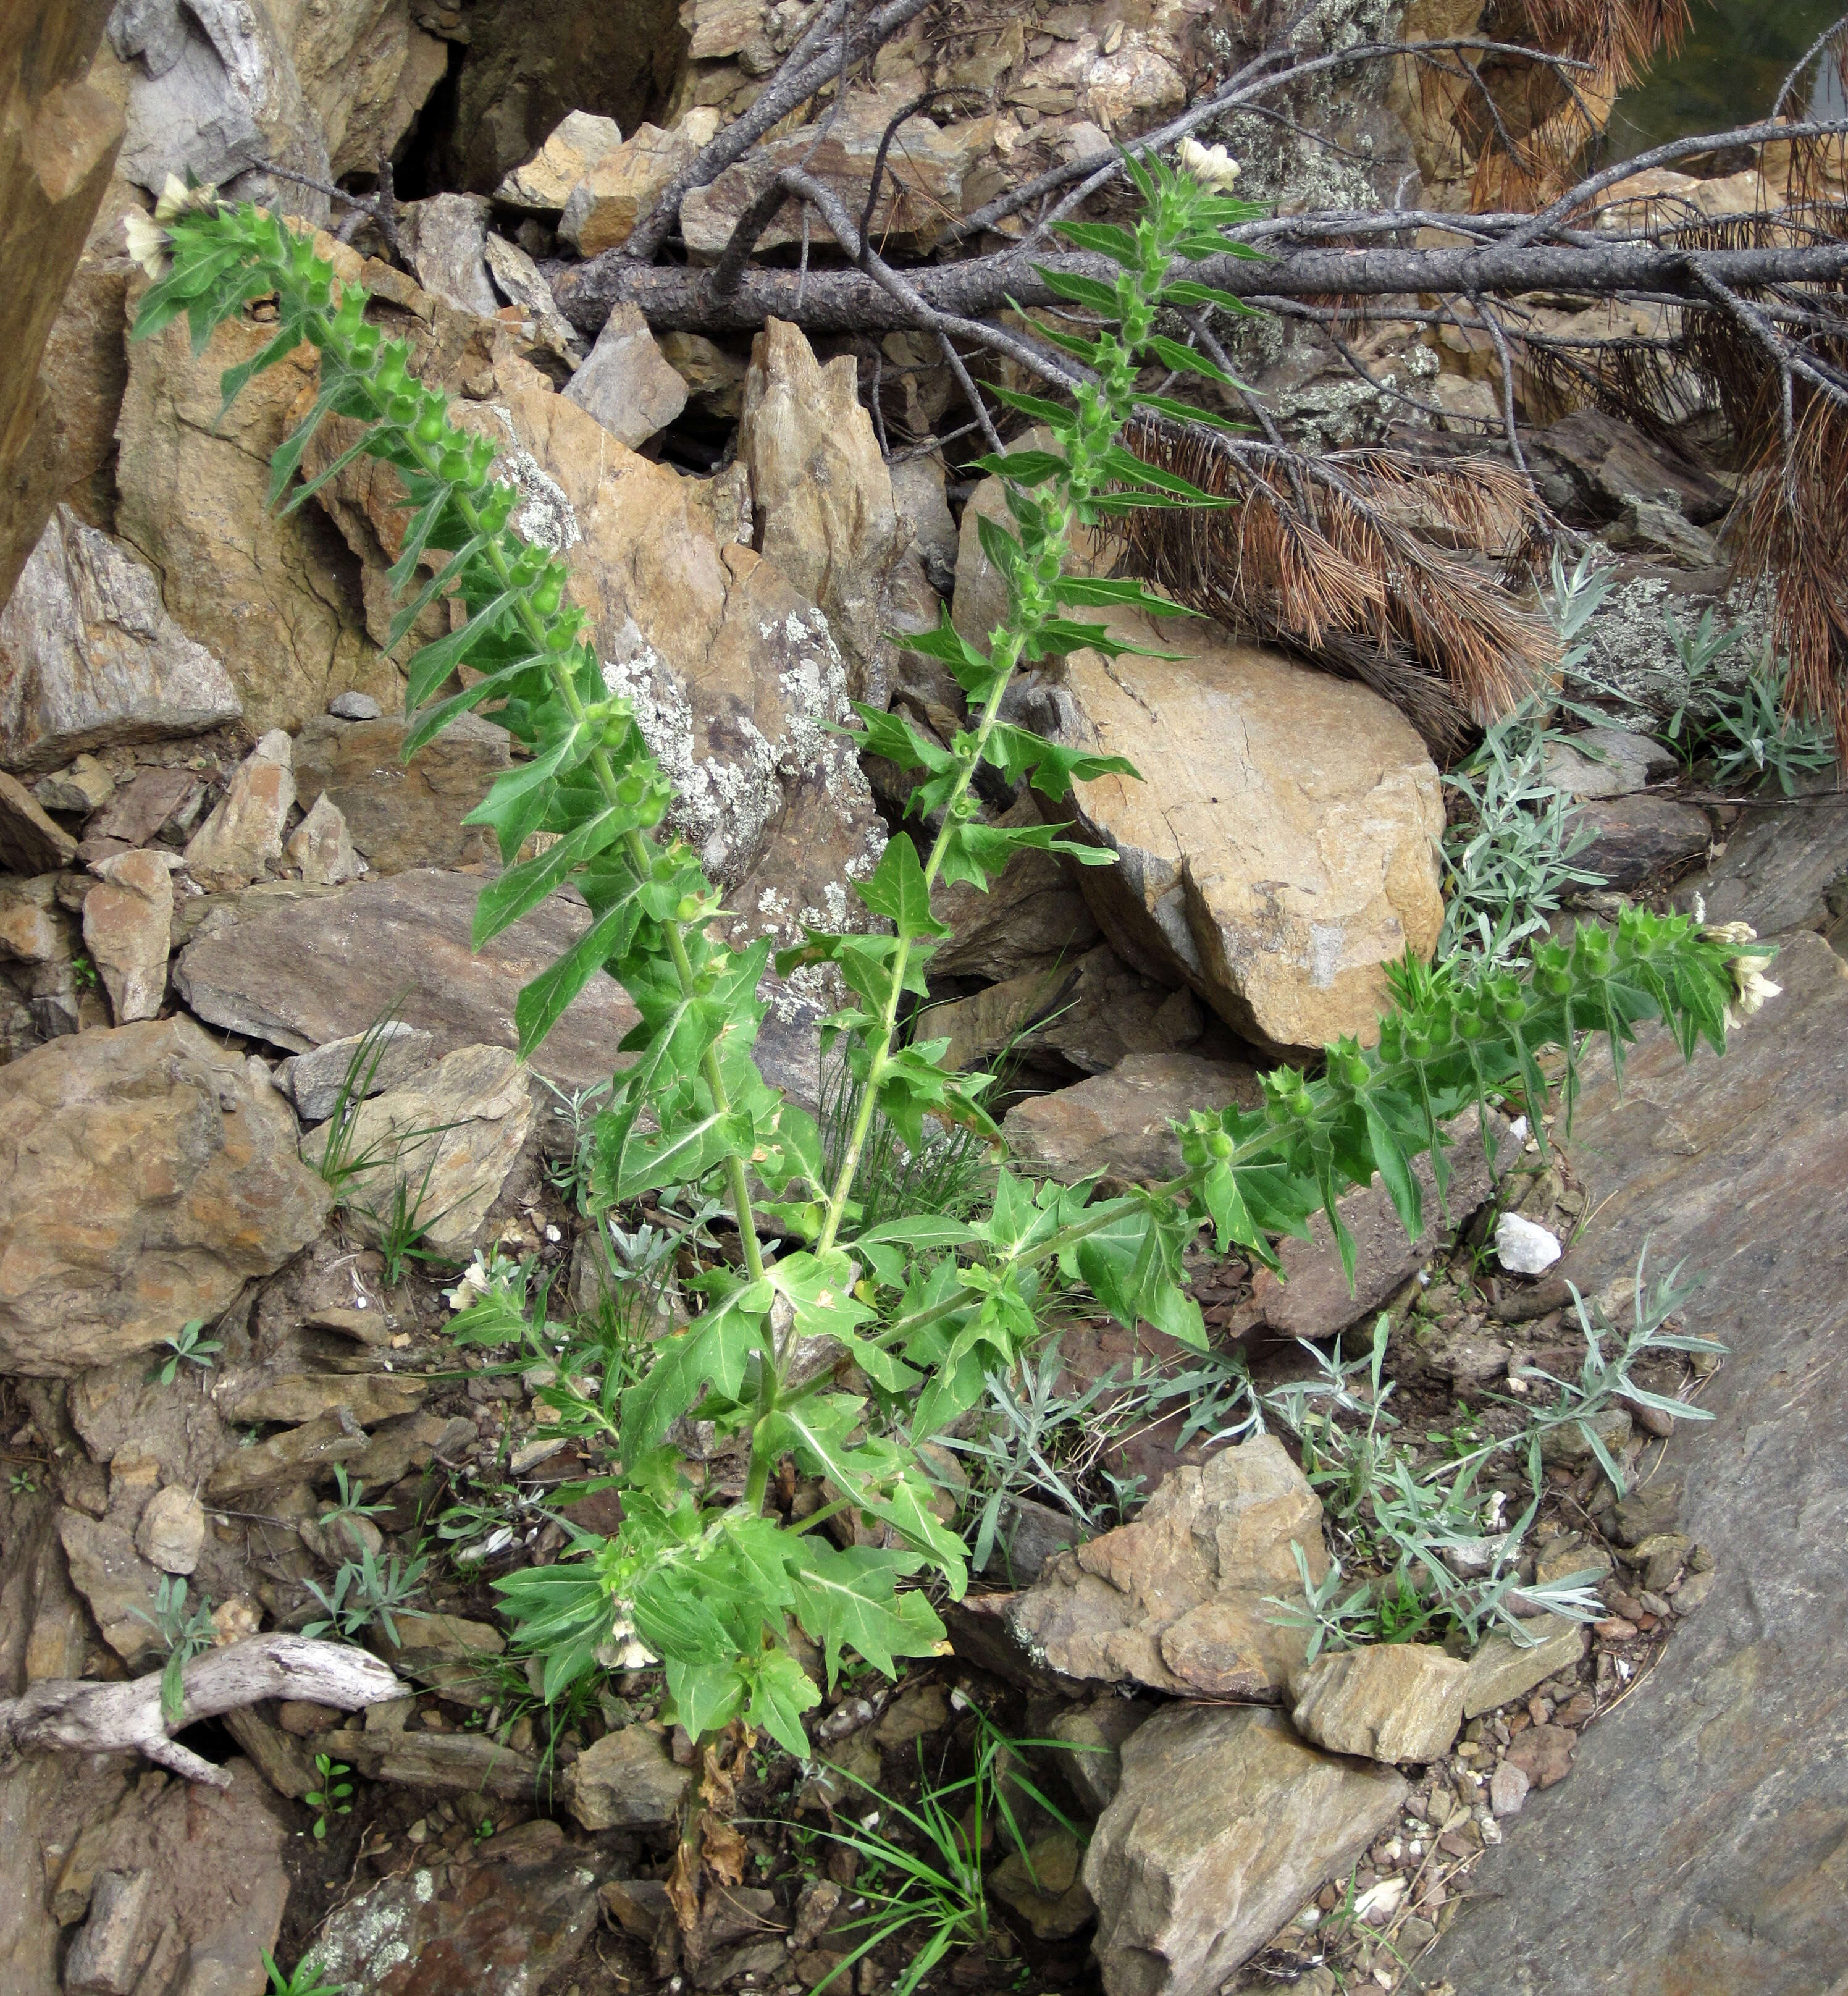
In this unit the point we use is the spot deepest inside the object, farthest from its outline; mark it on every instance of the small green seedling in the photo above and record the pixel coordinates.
(332, 1799)
(186, 1347)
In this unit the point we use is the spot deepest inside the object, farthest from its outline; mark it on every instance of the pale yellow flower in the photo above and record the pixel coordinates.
(1211, 166)
(176, 197)
(623, 1649)
(1751, 988)
(147, 244)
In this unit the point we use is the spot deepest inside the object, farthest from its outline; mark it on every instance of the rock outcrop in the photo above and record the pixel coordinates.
(58, 137)
(1175, 1599)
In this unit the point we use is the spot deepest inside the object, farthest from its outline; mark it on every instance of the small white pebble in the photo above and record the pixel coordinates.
(553, 1235)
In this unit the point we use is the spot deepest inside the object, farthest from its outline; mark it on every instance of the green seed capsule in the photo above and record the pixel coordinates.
(1219, 1144)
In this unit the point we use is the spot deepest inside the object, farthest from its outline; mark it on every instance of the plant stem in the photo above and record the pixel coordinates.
(1009, 650)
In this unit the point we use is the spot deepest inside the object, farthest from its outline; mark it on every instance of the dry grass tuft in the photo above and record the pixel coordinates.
(1356, 560)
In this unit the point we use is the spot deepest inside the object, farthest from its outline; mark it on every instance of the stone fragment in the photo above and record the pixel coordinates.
(294, 1457)
(1314, 1298)
(1634, 836)
(502, 1927)
(1121, 1122)
(1640, 1515)
(1503, 1669)
(1225, 1824)
(1093, 1769)
(1042, 1885)
(321, 847)
(89, 656)
(1604, 762)
(922, 185)
(622, 185)
(449, 231)
(627, 1780)
(85, 787)
(1508, 1788)
(354, 706)
(1523, 1247)
(29, 929)
(107, 1955)
(399, 815)
(119, 1585)
(172, 1530)
(30, 841)
(625, 384)
(1280, 848)
(821, 494)
(1572, 1443)
(237, 843)
(146, 804)
(1616, 466)
(297, 1398)
(1544, 1753)
(128, 927)
(1028, 1535)
(715, 379)
(449, 1137)
(386, 1054)
(1175, 1599)
(148, 1177)
(576, 144)
(1385, 1702)
(518, 280)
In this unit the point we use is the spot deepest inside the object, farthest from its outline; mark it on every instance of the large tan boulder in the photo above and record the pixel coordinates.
(58, 137)
(820, 494)
(734, 672)
(1280, 848)
(147, 1176)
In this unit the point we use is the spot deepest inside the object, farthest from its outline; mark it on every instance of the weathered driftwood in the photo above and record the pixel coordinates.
(77, 1715)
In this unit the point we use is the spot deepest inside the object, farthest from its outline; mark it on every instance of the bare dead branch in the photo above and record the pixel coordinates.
(80, 1715)
(682, 299)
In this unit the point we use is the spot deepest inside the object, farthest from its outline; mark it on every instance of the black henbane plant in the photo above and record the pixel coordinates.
(927, 1307)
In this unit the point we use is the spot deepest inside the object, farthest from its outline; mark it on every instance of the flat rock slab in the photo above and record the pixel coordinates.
(1699, 1844)
(300, 973)
(315, 971)
(1122, 1122)
(1786, 867)
(1315, 1298)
